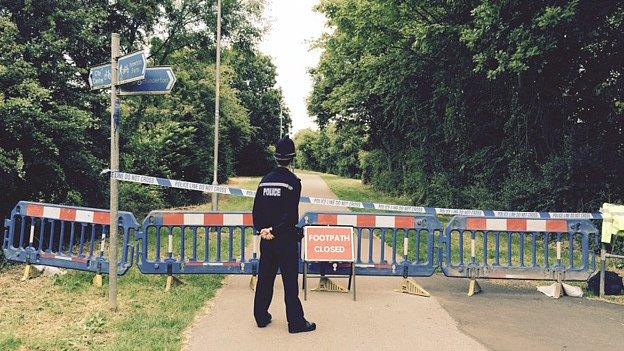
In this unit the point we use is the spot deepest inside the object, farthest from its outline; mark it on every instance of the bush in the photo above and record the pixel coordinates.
(441, 191)
(140, 199)
(371, 164)
(366, 168)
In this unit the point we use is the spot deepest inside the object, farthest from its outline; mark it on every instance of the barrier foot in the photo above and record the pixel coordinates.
(326, 284)
(253, 282)
(98, 281)
(558, 289)
(554, 290)
(171, 282)
(409, 286)
(473, 287)
(30, 272)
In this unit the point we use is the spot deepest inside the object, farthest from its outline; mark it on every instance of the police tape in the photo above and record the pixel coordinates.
(226, 190)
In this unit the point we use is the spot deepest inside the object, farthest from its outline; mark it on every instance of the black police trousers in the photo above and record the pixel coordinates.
(279, 253)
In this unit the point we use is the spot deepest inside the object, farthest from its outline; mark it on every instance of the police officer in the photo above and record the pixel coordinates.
(275, 215)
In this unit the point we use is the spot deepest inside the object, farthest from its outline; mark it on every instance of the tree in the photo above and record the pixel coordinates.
(51, 123)
(480, 103)
(256, 83)
(55, 129)
(333, 149)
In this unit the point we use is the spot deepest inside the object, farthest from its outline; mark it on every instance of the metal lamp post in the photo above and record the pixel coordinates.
(215, 199)
(280, 116)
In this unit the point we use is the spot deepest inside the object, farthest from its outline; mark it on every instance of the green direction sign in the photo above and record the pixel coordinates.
(131, 68)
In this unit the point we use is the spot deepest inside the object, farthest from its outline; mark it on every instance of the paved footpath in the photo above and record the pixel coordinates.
(514, 316)
(380, 319)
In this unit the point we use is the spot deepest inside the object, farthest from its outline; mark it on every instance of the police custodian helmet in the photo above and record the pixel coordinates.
(285, 149)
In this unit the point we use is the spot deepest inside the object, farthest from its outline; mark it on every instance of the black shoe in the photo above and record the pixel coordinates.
(262, 325)
(307, 328)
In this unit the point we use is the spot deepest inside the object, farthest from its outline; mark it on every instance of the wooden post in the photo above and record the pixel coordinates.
(114, 184)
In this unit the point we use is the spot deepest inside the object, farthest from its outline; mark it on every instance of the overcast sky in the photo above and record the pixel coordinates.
(293, 25)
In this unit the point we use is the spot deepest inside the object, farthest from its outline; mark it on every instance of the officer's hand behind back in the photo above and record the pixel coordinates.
(265, 234)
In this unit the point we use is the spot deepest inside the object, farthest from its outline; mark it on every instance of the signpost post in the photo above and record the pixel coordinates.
(125, 75)
(114, 184)
(328, 244)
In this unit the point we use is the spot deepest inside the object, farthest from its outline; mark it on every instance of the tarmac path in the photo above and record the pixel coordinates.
(380, 319)
(512, 315)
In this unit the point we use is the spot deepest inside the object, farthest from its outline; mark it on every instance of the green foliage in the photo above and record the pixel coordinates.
(55, 130)
(140, 199)
(9, 343)
(75, 282)
(305, 143)
(96, 323)
(255, 80)
(47, 149)
(481, 104)
(334, 149)
(375, 171)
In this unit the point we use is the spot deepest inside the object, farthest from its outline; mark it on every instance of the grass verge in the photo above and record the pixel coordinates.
(355, 190)
(68, 313)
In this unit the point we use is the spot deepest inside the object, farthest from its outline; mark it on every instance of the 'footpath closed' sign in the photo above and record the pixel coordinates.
(328, 244)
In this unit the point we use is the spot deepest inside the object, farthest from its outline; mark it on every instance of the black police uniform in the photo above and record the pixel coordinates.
(277, 206)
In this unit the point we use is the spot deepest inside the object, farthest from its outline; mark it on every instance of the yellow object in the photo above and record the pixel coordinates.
(326, 284)
(98, 281)
(473, 287)
(253, 282)
(612, 222)
(409, 286)
(30, 272)
(171, 282)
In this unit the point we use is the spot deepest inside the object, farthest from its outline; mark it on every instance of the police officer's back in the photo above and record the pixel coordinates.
(275, 215)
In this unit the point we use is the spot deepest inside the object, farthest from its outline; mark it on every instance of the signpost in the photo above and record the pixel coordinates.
(125, 75)
(100, 77)
(158, 80)
(333, 244)
(131, 68)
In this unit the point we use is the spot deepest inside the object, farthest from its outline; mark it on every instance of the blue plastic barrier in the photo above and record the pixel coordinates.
(544, 249)
(66, 237)
(178, 242)
(403, 232)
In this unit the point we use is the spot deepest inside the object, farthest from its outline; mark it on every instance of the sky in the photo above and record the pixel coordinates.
(293, 25)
